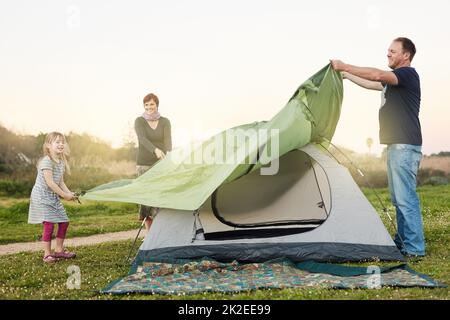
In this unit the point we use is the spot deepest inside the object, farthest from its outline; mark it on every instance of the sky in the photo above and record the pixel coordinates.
(84, 66)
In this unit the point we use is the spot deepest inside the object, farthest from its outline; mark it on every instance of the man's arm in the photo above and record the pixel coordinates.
(371, 74)
(371, 85)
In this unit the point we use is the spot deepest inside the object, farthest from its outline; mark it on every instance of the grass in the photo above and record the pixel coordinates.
(24, 276)
(86, 219)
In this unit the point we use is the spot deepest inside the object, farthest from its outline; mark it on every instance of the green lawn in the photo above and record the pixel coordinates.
(86, 219)
(24, 276)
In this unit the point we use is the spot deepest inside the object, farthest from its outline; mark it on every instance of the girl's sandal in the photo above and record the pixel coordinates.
(64, 254)
(49, 259)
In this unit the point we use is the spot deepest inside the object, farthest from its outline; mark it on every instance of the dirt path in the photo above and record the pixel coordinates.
(72, 242)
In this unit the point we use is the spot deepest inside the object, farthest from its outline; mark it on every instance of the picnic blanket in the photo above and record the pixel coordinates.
(207, 275)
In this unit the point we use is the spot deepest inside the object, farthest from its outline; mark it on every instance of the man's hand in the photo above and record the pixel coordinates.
(338, 65)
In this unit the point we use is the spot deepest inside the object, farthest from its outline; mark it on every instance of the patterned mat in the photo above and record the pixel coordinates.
(206, 275)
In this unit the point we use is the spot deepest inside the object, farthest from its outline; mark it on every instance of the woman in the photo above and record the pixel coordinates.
(155, 140)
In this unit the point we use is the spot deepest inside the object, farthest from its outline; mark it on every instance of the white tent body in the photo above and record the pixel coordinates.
(311, 209)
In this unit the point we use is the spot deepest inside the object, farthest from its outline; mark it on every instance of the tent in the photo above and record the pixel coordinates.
(309, 208)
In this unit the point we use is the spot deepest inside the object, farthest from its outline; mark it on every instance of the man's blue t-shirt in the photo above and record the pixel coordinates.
(399, 111)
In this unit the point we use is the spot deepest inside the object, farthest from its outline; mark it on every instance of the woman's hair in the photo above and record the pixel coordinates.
(153, 97)
(50, 138)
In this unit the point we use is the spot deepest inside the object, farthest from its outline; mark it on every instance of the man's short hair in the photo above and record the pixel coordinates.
(408, 46)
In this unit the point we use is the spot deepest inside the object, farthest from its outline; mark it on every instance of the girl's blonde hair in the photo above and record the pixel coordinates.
(49, 139)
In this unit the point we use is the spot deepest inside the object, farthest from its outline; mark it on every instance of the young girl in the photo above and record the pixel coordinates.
(45, 205)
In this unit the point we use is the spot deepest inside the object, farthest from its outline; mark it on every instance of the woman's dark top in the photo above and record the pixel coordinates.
(150, 139)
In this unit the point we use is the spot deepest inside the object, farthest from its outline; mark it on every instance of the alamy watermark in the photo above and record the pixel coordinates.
(235, 146)
(74, 279)
(374, 280)
(373, 17)
(73, 20)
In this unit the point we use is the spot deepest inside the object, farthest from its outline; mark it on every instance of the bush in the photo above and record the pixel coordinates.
(435, 181)
(372, 178)
(379, 179)
(81, 178)
(86, 178)
(5, 169)
(15, 188)
(428, 176)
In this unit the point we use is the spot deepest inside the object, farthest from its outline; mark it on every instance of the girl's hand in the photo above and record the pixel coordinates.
(159, 154)
(69, 196)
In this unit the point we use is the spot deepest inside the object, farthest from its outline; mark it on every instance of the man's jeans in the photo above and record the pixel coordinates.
(402, 165)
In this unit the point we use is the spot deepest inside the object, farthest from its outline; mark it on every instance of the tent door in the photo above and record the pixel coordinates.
(296, 199)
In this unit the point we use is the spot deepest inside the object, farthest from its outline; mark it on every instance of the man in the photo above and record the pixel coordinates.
(400, 131)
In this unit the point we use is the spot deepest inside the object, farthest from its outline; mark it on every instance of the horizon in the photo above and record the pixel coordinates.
(84, 67)
(370, 153)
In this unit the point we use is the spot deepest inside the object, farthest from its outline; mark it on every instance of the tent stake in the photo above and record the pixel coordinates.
(135, 239)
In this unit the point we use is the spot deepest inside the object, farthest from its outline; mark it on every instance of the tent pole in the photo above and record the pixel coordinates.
(135, 239)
